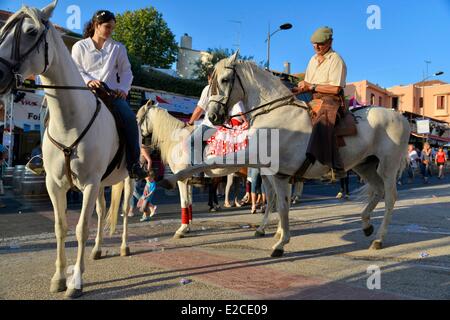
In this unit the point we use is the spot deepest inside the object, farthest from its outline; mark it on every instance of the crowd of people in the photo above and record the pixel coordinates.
(425, 162)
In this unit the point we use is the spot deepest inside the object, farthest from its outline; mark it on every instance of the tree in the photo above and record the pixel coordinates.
(203, 68)
(147, 37)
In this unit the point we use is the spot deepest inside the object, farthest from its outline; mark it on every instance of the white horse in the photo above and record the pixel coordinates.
(377, 153)
(40, 50)
(170, 136)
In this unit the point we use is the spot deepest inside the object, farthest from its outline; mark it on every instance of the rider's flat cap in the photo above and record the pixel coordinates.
(322, 34)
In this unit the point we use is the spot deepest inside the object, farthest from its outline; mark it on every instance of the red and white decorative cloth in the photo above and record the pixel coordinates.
(226, 141)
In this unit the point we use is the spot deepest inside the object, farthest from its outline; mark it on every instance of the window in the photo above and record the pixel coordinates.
(372, 99)
(380, 101)
(440, 102)
(395, 103)
(420, 102)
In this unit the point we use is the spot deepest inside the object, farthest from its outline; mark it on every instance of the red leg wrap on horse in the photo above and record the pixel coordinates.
(184, 215)
(190, 212)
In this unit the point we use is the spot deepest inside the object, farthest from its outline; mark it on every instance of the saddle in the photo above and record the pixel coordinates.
(345, 125)
(107, 96)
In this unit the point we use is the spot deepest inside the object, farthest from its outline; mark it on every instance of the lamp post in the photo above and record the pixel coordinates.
(285, 26)
(439, 73)
(423, 89)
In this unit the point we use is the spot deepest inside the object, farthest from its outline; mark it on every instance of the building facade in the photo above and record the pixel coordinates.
(423, 100)
(188, 57)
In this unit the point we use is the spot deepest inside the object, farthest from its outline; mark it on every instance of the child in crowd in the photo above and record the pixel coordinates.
(145, 204)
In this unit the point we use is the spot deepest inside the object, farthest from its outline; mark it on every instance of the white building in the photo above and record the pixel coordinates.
(187, 58)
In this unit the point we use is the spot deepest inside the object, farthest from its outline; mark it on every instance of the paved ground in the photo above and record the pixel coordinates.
(327, 257)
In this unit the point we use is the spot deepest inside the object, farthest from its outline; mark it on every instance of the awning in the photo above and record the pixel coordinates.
(430, 136)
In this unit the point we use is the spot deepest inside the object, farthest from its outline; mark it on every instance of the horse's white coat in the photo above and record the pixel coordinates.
(70, 113)
(377, 153)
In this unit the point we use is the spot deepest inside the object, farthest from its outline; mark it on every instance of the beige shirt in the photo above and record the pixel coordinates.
(332, 71)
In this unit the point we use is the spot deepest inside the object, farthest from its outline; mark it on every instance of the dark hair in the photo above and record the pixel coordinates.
(100, 17)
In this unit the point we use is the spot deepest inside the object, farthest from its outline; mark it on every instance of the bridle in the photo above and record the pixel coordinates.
(19, 58)
(16, 55)
(269, 106)
(215, 84)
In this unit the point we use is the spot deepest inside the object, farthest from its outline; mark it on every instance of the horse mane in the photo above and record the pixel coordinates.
(34, 13)
(163, 127)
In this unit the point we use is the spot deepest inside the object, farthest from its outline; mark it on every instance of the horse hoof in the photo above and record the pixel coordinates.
(178, 236)
(96, 255)
(376, 245)
(124, 252)
(277, 253)
(368, 232)
(259, 234)
(73, 293)
(277, 236)
(58, 286)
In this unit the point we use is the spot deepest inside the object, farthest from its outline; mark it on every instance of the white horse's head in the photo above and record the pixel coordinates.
(226, 89)
(144, 118)
(24, 49)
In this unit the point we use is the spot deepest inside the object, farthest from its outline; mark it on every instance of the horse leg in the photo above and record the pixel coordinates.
(375, 191)
(283, 201)
(271, 198)
(190, 207)
(181, 232)
(230, 180)
(59, 202)
(298, 191)
(101, 210)
(390, 196)
(128, 193)
(75, 283)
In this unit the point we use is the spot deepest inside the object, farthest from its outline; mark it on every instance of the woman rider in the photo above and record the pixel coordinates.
(101, 59)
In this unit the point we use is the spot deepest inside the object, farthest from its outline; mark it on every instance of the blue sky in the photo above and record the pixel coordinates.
(411, 31)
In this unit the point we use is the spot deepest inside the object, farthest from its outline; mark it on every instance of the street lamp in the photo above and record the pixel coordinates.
(439, 73)
(285, 26)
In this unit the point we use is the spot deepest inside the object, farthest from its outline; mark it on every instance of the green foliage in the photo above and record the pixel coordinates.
(160, 81)
(204, 68)
(147, 37)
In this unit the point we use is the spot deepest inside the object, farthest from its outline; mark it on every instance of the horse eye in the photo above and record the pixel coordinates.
(31, 32)
(224, 80)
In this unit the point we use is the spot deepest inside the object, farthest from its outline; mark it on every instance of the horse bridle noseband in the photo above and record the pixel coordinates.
(15, 50)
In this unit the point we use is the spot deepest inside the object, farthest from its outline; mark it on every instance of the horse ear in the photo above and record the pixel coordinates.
(234, 57)
(149, 103)
(47, 12)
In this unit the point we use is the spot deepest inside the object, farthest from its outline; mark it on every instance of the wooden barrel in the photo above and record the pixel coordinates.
(8, 175)
(33, 184)
(17, 176)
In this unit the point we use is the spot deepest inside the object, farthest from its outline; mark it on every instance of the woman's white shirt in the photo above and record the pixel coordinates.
(108, 64)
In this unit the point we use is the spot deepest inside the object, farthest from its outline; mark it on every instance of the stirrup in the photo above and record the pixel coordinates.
(34, 168)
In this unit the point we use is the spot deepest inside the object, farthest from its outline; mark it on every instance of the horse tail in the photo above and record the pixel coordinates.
(113, 212)
(403, 165)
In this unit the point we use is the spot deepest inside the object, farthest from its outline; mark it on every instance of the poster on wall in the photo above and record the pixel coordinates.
(423, 126)
(26, 112)
(172, 102)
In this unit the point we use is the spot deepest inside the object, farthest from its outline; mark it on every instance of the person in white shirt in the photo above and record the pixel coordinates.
(204, 130)
(103, 60)
(413, 162)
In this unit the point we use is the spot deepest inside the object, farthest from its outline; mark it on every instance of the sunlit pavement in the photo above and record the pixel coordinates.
(327, 257)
